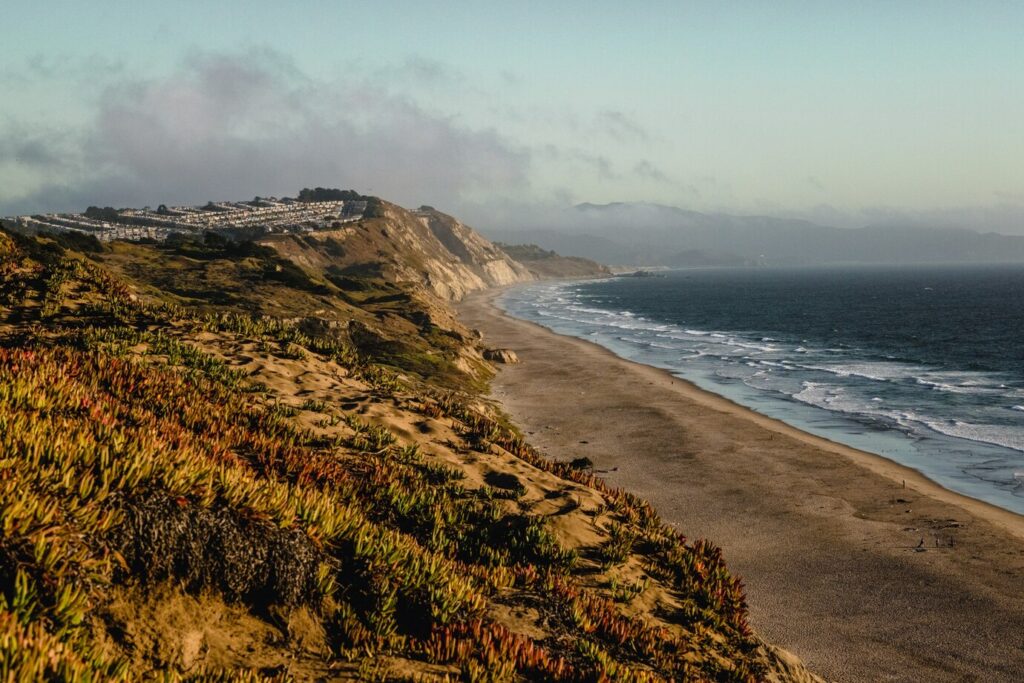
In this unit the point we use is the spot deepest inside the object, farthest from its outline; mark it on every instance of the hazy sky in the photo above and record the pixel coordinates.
(845, 112)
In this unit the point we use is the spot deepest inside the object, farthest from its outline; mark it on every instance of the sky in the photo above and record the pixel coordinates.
(844, 113)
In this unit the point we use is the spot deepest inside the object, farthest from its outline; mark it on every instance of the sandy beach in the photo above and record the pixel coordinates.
(863, 568)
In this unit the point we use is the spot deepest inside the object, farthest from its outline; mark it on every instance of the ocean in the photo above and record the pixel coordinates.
(922, 365)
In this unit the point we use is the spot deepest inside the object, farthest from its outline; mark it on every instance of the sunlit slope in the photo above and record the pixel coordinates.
(208, 493)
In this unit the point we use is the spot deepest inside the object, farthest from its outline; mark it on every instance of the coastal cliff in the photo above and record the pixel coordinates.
(424, 247)
(546, 264)
(272, 460)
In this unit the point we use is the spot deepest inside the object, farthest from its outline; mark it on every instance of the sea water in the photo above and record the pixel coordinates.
(922, 365)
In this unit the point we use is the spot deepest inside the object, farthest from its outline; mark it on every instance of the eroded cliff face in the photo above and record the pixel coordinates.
(424, 247)
(493, 265)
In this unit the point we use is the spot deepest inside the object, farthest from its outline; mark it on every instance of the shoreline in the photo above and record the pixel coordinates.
(1011, 521)
(733, 474)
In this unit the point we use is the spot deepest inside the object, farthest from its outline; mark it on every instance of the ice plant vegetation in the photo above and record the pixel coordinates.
(136, 451)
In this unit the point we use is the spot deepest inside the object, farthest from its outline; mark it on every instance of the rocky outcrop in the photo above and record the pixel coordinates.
(506, 356)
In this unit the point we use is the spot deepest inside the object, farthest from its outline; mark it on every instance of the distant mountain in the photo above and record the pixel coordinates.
(590, 246)
(655, 234)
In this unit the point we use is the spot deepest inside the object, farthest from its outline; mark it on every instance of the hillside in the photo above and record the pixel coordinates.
(545, 264)
(425, 248)
(270, 461)
(350, 234)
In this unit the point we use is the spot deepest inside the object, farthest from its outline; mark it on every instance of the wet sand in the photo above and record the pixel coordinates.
(863, 568)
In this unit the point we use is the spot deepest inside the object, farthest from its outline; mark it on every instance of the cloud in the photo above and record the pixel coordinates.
(621, 127)
(35, 150)
(1006, 217)
(231, 125)
(510, 78)
(580, 158)
(60, 67)
(648, 171)
(1009, 197)
(419, 70)
(599, 163)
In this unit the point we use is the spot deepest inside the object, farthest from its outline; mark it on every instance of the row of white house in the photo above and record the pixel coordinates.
(272, 215)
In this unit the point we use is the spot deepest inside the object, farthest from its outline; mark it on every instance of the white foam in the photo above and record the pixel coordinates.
(956, 389)
(878, 371)
(820, 395)
(586, 309)
(962, 382)
(837, 399)
(998, 435)
(951, 381)
(647, 342)
(761, 348)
